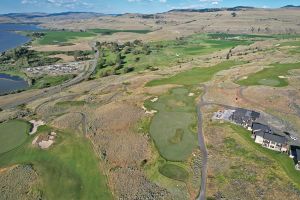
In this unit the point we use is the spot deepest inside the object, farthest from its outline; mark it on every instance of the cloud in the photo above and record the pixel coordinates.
(70, 4)
(149, 1)
(212, 2)
(28, 2)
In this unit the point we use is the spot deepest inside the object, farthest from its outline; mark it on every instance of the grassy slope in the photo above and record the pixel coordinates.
(195, 75)
(174, 52)
(13, 134)
(69, 170)
(286, 163)
(58, 37)
(270, 74)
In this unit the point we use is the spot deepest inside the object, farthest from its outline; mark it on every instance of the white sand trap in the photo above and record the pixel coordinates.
(35, 140)
(191, 94)
(154, 100)
(53, 133)
(245, 77)
(281, 77)
(149, 112)
(45, 144)
(277, 45)
(35, 124)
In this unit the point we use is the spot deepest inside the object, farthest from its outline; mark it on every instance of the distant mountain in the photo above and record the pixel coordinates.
(290, 6)
(238, 8)
(38, 17)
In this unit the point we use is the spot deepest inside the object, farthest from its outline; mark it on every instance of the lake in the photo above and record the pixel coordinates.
(10, 83)
(9, 39)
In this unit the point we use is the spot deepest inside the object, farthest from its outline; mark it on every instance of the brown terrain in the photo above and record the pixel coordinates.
(113, 105)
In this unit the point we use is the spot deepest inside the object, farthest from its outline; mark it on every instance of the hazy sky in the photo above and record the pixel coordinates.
(133, 6)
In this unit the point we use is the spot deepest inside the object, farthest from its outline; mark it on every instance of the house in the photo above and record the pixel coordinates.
(297, 159)
(256, 127)
(271, 141)
(295, 154)
(244, 117)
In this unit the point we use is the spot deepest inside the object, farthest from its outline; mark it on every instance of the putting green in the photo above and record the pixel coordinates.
(174, 172)
(12, 134)
(171, 126)
(271, 76)
(269, 82)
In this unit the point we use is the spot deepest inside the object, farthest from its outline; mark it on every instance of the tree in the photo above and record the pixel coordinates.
(128, 69)
(137, 59)
(233, 14)
(101, 63)
(77, 55)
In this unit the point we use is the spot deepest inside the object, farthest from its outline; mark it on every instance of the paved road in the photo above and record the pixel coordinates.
(201, 141)
(202, 146)
(55, 89)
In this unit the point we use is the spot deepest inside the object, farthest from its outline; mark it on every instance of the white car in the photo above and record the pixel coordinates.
(293, 138)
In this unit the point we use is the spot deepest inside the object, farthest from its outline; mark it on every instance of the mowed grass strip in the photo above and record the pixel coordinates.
(13, 134)
(112, 31)
(60, 37)
(68, 170)
(174, 172)
(195, 75)
(286, 163)
(270, 76)
(172, 127)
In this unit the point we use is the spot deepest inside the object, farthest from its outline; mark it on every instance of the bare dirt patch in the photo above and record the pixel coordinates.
(64, 57)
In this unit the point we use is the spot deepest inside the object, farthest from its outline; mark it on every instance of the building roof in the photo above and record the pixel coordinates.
(255, 115)
(260, 133)
(258, 126)
(275, 138)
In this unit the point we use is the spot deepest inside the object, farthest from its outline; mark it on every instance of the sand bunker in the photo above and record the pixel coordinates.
(35, 124)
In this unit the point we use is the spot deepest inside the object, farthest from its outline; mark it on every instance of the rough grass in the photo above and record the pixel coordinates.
(195, 75)
(68, 170)
(171, 126)
(13, 134)
(70, 103)
(270, 76)
(174, 172)
(286, 163)
(48, 81)
(61, 37)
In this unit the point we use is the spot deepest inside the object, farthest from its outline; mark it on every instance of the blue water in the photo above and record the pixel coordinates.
(9, 39)
(10, 84)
